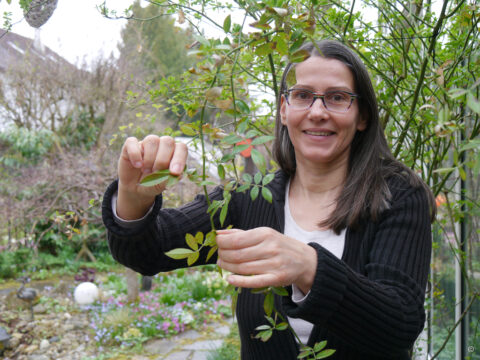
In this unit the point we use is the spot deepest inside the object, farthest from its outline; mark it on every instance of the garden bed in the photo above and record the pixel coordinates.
(180, 301)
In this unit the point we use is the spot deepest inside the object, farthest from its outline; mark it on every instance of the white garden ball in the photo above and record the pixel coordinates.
(86, 293)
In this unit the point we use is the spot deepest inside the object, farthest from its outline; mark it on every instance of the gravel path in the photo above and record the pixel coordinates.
(60, 331)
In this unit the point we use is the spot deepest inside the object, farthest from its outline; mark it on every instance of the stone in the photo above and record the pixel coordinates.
(22, 324)
(40, 309)
(162, 346)
(79, 325)
(177, 355)
(204, 345)
(54, 339)
(31, 348)
(15, 340)
(189, 334)
(223, 330)
(68, 327)
(38, 357)
(44, 344)
(200, 355)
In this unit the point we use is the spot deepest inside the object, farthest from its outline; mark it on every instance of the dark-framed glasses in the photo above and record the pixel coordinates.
(335, 100)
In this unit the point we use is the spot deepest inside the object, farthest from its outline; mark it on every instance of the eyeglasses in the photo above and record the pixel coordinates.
(336, 101)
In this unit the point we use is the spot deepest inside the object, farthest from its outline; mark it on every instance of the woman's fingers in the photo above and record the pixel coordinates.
(132, 153)
(252, 267)
(164, 153)
(235, 239)
(179, 159)
(150, 146)
(252, 282)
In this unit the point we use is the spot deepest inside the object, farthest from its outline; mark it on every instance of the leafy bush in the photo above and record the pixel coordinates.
(82, 131)
(24, 145)
(8, 268)
(14, 262)
(168, 309)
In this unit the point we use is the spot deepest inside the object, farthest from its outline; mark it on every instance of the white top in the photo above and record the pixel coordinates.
(326, 238)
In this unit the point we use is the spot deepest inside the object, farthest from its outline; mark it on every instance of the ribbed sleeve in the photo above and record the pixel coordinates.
(143, 249)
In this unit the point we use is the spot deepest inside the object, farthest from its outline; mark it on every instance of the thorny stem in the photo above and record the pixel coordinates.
(465, 312)
(231, 80)
(349, 19)
(436, 32)
(202, 14)
(202, 142)
(290, 327)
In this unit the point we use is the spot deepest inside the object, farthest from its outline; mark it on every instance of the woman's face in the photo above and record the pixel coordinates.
(322, 137)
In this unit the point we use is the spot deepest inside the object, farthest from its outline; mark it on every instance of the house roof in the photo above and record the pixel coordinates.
(14, 47)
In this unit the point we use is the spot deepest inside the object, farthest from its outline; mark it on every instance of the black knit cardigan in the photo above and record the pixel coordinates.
(367, 305)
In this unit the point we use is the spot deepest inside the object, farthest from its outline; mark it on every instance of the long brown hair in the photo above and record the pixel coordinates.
(365, 193)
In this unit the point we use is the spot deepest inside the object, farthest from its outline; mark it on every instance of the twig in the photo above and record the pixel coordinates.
(474, 297)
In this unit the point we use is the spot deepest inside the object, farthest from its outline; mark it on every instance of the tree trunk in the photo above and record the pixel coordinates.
(133, 285)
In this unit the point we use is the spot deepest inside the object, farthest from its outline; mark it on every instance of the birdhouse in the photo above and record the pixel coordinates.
(39, 11)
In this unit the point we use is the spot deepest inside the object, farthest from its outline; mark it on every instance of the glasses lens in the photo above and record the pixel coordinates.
(300, 99)
(338, 101)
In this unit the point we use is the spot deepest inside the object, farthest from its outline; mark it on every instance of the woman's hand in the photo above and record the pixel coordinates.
(264, 257)
(137, 160)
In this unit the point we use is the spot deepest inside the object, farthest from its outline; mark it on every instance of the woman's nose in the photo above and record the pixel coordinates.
(318, 107)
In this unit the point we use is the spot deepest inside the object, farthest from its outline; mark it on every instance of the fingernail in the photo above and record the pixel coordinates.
(138, 164)
(176, 168)
(146, 171)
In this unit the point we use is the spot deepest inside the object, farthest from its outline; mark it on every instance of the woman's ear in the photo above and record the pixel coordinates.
(361, 123)
(283, 110)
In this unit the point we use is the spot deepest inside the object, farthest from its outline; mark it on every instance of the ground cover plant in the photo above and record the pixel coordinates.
(178, 301)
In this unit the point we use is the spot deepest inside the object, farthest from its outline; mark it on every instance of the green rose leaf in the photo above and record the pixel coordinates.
(259, 161)
(179, 253)
(325, 353)
(254, 193)
(221, 171)
(269, 303)
(227, 23)
(191, 259)
(319, 346)
(191, 242)
(211, 252)
(262, 139)
(267, 194)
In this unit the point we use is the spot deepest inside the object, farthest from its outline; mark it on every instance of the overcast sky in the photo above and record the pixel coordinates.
(76, 30)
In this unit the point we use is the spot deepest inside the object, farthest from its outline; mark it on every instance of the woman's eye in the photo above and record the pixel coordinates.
(301, 95)
(337, 97)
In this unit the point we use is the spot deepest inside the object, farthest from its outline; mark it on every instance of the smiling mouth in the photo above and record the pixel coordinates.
(318, 133)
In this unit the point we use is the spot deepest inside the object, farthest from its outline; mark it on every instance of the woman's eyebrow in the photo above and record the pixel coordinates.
(328, 89)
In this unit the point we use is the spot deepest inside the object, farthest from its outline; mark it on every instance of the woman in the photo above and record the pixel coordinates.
(348, 232)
